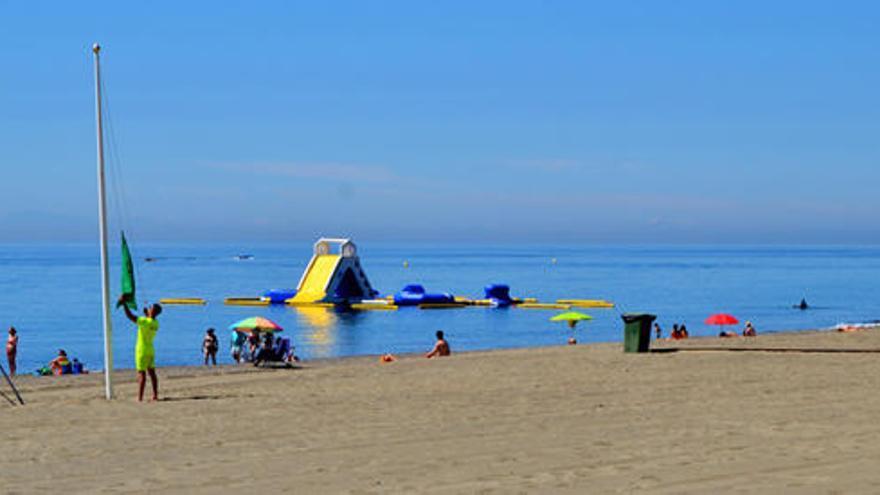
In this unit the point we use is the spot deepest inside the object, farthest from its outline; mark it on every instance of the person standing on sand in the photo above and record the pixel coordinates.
(253, 341)
(236, 345)
(441, 347)
(657, 331)
(12, 349)
(144, 353)
(210, 345)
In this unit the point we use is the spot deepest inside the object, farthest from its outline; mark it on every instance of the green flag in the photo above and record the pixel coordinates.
(127, 285)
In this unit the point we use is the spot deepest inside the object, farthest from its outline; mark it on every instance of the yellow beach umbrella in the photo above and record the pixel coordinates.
(572, 317)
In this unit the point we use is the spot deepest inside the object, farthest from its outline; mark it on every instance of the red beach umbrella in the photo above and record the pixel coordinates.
(721, 319)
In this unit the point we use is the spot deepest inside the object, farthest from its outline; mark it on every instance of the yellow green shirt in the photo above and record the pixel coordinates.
(147, 328)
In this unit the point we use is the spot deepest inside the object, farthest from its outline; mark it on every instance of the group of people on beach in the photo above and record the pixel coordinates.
(259, 347)
(680, 332)
(59, 365)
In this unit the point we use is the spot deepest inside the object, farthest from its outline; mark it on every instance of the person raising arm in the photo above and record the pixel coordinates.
(144, 353)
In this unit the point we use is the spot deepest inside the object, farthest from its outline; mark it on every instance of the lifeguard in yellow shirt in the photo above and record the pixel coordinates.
(144, 353)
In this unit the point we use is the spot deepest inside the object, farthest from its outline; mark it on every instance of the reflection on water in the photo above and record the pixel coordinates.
(316, 316)
(321, 323)
(324, 329)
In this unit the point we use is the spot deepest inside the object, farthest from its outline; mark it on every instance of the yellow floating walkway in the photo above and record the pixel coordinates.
(374, 307)
(543, 306)
(586, 303)
(245, 301)
(442, 306)
(291, 302)
(196, 301)
(481, 302)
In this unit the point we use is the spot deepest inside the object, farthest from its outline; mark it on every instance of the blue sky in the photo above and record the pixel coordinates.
(680, 122)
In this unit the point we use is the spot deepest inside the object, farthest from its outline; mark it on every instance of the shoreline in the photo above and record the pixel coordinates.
(654, 342)
(30, 382)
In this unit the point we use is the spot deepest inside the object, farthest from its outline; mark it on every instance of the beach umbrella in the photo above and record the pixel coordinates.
(255, 323)
(721, 319)
(572, 317)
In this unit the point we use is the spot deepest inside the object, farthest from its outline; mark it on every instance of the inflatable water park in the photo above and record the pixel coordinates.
(335, 278)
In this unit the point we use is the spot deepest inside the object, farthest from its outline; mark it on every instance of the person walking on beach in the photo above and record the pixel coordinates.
(441, 347)
(210, 345)
(12, 349)
(144, 353)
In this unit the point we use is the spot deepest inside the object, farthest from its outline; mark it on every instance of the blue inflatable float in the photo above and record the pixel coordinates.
(278, 296)
(414, 294)
(499, 294)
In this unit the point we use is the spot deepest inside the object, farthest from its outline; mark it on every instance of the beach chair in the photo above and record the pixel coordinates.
(283, 350)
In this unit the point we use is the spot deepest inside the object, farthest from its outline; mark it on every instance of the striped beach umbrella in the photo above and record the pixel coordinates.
(255, 323)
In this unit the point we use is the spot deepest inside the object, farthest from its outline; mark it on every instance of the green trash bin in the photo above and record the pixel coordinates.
(637, 332)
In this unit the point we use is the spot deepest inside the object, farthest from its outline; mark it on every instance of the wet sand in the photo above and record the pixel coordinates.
(571, 419)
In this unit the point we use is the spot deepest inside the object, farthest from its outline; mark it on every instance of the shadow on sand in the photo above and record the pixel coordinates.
(767, 349)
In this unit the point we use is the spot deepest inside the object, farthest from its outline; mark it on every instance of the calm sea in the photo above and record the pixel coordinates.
(51, 294)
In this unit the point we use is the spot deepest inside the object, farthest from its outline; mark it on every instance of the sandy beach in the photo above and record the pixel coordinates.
(581, 419)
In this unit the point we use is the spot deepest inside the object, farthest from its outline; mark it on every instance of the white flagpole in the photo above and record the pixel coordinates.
(102, 221)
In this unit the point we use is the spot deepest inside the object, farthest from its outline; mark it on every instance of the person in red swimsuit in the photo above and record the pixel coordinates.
(11, 349)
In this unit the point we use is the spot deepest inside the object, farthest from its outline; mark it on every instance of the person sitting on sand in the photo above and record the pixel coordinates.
(12, 349)
(60, 363)
(676, 333)
(441, 347)
(683, 331)
(850, 328)
(210, 345)
(749, 330)
(266, 352)
(144, 353)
